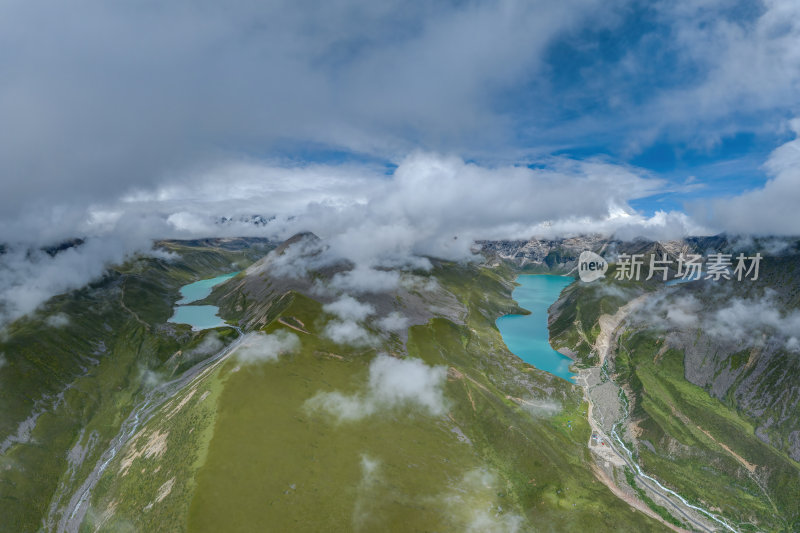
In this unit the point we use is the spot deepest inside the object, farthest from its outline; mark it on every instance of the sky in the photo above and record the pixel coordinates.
(391, 129)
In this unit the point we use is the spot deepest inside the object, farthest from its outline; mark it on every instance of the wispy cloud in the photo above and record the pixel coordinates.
(347, 328)
(394, 321)
(391, 383)
(745, 322)
(348, 308)
(473, 504)
(57, 320)
(262, 347)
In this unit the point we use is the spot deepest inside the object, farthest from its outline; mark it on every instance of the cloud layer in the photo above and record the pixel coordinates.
(393, 131)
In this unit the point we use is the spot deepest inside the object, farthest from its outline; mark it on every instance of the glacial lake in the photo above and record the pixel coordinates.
(527, 335)
(199, 316)
(201, 289)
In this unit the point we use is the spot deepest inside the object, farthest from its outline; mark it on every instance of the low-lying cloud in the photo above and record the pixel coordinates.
(738, 320)
(348, 332)
(210, 344)
(30, 276)
(57, 320)
(377, 223)
(348, 308)
(263, 347)
(346, 328)
(363, 279)
(373, 221)
(473, 504)
(393, 322)
(367, 498)
(392, 383)
(541, 408)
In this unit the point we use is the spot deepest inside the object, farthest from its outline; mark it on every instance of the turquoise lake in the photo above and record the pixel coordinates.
(201, 289)
(199, 316)
(527, 335)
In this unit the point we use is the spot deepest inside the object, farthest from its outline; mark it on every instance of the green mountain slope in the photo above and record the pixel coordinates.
(73, 370)
(215, 430)
(243, 445)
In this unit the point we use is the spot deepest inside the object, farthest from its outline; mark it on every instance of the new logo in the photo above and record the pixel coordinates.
(591, 266)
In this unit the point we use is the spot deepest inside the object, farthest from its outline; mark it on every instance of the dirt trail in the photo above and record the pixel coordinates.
(749, 466)
(296, 328)
(606, 339)
(129, 310)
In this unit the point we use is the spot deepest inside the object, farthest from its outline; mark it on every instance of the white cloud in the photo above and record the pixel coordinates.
(744, 321)
(393, 225)
(348, 308)
(210, 344)
(262, 347)
(473, 504)
(541, 408)
(391, 383)
(752, 64)
(129, 158)
(793, 344)
(28, 277)
(684, 312)
(698, 73)
(296, 259)
(58, 320)
(366, 497)
(394, 321)
(363, 279)
(346, 328)
(768, 210)
(370, 77)
(369, 467)
(348, 332)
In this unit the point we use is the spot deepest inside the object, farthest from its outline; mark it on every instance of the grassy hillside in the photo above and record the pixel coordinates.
(702, 446)
(240, 448)
(73, 369)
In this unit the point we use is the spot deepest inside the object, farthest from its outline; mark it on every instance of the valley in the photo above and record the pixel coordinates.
(314, 407)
